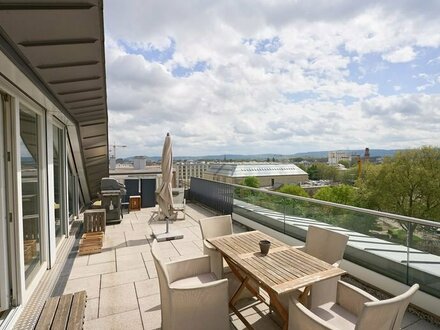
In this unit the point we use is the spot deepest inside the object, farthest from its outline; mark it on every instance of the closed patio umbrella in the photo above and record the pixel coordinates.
(165, 192)
(165, 195)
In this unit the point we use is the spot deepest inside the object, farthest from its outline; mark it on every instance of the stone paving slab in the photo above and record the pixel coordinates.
(121, 282)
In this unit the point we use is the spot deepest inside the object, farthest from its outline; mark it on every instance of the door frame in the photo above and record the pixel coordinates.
(28, 106)
(5, 288)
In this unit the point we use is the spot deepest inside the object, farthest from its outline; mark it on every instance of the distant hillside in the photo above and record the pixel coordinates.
(263, 157)
(324, 154)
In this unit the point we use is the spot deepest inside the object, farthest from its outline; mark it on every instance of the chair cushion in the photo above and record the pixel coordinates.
(335, 315)
(193, 281)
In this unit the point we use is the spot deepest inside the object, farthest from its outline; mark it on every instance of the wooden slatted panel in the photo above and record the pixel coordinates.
(63, 310)
(48, 313)
(94, 220)
(76, 317)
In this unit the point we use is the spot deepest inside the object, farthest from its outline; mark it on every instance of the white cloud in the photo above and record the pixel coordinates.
(303, 96)
(402, 55)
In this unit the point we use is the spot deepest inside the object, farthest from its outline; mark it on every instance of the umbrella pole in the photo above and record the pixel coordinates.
(167, 236)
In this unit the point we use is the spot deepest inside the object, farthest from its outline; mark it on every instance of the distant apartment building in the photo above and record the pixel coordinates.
(184, 172)
(334, 157)
(268, 174)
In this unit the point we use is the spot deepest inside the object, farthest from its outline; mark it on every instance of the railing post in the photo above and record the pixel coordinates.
(407, 251)
(285, 205)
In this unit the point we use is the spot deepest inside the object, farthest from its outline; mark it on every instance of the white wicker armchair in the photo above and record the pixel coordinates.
(327, 245)
(179, 202)
(213, 227)
(191, 295)
(352, 308)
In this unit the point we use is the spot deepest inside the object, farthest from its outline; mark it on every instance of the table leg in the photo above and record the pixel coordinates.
(279, 308)
(237, 293)
(241, 278)
(303, 296)
(244, 284)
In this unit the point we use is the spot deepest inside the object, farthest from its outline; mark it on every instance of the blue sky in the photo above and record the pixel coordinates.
(286, 77)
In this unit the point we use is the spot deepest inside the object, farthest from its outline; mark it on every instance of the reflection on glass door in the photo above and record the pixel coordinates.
(4, 274)
(58, 169)
(30, 178)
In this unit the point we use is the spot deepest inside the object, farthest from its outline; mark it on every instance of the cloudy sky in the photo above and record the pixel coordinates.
(268, 76)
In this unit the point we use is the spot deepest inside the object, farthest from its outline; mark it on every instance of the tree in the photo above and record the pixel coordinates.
(312, 171)
(251, 181)
(407, 183)
(293, 189)
(346, 163)
(321, 171)
(348, 195)
(341, 194)
(348, 176)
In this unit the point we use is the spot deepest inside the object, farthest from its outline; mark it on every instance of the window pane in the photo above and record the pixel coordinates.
(58, 169)
(30, 178)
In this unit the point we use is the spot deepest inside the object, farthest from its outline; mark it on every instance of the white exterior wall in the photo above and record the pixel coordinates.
(23, 93)
(334, 157)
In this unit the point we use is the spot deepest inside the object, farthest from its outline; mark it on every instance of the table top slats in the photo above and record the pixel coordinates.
(294, 260)
(261, 277)
(307, 280)
(283, 269)
(270, 263)
(267, 272)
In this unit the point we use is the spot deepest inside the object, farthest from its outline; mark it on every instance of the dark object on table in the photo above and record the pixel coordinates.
(264, 246)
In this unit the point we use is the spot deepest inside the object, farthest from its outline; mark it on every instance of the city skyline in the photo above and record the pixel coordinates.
(272, 77)
(263, 157)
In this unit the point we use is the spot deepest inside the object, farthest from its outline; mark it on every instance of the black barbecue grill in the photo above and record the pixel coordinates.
(111, 194)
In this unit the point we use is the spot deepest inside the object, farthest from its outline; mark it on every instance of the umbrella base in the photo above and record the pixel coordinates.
(168, 236)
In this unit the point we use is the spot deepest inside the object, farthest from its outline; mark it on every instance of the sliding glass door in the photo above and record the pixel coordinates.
(30, 151)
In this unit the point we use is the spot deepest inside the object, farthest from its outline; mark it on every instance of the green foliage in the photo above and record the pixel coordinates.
(407, 184)
(348, 176)
(251, 181)
(346, 163)
(293, 189)
(341, 194)
(321, 171)
(399, 236)
(313, 172)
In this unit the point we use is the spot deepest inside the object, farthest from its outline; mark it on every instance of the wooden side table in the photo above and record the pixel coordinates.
(135, 203)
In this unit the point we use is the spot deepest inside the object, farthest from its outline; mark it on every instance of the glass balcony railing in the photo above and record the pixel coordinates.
(403, 248)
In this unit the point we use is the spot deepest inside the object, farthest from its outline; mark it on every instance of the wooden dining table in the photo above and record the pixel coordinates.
(283, 270)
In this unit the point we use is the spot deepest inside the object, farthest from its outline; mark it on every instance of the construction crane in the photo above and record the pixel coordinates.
(114, 146)
(359, 166)
(365, 161)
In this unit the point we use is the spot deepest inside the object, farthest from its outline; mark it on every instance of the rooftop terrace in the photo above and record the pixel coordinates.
(121, 282)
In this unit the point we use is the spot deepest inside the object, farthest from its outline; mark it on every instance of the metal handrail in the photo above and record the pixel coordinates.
(400, 269)
(343, 206)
